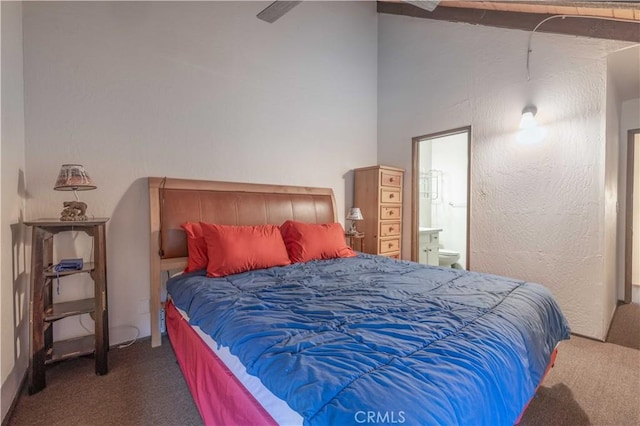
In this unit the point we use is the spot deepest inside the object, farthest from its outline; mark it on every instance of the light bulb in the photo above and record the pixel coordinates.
(530, 132)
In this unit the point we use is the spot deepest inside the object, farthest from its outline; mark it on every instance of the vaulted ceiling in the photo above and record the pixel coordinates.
(610, 9)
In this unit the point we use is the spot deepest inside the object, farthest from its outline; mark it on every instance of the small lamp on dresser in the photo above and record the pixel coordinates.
(73, 177)
(354, 215)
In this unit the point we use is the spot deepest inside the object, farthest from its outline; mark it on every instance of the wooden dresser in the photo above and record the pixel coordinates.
(378, 194)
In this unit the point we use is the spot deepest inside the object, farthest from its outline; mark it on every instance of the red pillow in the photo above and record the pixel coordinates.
(196, 247)
(235, 249)
(308, 241)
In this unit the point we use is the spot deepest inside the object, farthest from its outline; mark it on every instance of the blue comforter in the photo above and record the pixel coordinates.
(374, 340)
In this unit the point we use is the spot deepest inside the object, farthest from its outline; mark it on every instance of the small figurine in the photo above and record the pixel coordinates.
(74, 211)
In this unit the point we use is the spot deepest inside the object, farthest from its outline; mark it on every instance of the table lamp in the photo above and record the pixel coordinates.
(73, 177)
(354, 215)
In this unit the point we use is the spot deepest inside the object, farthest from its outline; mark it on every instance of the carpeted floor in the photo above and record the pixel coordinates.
(592, 383)
(625, 326)
(144, 386)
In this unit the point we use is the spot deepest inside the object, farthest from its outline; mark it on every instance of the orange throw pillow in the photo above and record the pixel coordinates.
(196, 246)
(235, 249)
(309, 241)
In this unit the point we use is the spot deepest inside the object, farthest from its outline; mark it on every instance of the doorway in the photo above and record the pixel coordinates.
(440, 213)
(632, 216)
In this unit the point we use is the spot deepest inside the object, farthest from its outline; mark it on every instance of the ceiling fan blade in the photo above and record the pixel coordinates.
(429, 5)
(276, 9)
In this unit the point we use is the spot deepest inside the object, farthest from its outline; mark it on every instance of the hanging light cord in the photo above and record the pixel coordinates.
(567, 16)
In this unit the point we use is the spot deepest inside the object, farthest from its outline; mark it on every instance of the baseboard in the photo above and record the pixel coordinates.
(582, 336)
(14, 402)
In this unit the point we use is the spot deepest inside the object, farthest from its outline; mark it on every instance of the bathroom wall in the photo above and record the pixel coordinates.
(424, 198)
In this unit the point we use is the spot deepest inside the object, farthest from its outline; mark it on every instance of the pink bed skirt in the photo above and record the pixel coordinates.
(221, 399)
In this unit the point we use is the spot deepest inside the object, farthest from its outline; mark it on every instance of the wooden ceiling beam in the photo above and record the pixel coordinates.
(524, 6)
(586, 27)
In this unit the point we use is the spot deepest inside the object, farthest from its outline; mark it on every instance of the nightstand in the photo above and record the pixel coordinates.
(355, 241)
(44, 313)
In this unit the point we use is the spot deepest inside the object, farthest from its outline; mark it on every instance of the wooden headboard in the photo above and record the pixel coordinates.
(175, 201)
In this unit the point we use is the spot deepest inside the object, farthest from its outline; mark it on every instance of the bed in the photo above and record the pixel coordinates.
(349, 339)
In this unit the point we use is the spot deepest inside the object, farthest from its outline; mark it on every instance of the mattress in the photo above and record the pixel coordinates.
(370, 339)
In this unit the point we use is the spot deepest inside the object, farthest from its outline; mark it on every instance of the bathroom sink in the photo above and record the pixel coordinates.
(428, 230)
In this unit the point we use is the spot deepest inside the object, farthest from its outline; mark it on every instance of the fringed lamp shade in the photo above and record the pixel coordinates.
(73, 177)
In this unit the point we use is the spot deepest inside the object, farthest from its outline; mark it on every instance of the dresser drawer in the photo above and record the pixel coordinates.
(389, 245)
(389, 178)
(390, 212)
(390, 195)
(389, 229)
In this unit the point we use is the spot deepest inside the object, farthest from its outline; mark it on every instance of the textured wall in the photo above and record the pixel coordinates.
(537, 211)
(194, 90)
(611, 163)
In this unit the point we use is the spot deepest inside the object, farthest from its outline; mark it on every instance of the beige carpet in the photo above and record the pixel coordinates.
(625, 326)
(592, 383)
(144, 386)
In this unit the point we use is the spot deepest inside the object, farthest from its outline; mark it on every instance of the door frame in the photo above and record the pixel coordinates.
(628, 226)
(415, 187)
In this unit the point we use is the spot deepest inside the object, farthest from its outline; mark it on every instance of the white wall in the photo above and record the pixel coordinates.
(424, 198)
(194, 90)
(610, 179)
(629, 119)
(624, 66)
(635, 260)
(537, 211)
(14, 314)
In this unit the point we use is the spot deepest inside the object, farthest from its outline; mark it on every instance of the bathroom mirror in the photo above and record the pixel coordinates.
(440, 198)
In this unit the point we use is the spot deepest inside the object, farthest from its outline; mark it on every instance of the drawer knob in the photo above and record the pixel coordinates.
(390, 245)
(390, 212)
(390, 228)
(390, 195)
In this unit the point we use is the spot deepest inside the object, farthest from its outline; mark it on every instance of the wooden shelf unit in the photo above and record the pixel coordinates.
(44, 313)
